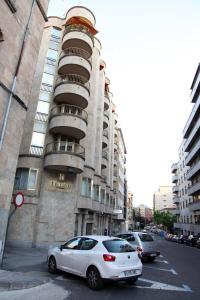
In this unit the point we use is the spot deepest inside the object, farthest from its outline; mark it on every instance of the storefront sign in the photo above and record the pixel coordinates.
(55, 185)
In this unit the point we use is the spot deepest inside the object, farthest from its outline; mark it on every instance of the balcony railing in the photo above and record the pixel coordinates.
(65, 147)
(66, 109)
(36, 150)
(76, 27)
(73, 78)
(74, 51)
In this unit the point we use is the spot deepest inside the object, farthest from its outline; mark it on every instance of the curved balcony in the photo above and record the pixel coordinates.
(175, 189)
(104, 161)
(68, 120)
(78, 36)
(193, 153)
(76, 61)
(64, 157)
(115, 147)
(105, 139)
(82, 13)
(106, 101)
(72, 89)
(105, 120)
(174, 178)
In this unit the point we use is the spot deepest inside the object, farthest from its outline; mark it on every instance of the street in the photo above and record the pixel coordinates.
(174, 274)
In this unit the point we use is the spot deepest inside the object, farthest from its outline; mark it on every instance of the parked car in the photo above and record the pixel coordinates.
(143, 243)
(96, 258)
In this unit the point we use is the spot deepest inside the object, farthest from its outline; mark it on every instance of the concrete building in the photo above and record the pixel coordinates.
(130, 221)
(142, 215)
(189, 164)
(180, 193)
(72, 155)
(163, 198)
(21, 27)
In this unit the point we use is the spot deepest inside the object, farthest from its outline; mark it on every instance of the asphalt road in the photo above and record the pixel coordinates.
(174, 274)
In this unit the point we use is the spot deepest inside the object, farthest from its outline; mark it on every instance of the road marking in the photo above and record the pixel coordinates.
(159, 269)
(163, 261)
(163, 286)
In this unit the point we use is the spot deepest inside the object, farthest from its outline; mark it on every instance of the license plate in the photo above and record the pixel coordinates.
(153, 254)
(129, 272)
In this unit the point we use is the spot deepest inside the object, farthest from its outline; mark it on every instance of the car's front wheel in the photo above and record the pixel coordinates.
(52, 265)
(94, 279)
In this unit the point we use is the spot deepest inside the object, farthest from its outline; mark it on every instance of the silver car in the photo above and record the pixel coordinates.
(143, 243)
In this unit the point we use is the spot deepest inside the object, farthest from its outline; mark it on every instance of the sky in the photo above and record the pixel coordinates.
(152, 50)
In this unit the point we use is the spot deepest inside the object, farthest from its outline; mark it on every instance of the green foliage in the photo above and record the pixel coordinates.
(167, 219)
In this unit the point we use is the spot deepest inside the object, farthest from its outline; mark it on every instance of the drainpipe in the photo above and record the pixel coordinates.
(5, 120)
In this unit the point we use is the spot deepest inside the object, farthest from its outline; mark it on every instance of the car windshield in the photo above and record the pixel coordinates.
(145, 237)
(118, 246)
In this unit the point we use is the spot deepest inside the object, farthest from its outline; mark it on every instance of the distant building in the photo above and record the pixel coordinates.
(163, 198)
(143, 214)
(130, 221)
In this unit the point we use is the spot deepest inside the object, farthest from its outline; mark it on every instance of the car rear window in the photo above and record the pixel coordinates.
(117, 246)
(145, 237)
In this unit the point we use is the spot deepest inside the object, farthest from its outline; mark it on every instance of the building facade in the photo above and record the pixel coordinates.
(69, 166)
(130, 220)
(163, 198)
(189, 205)
(21, 27)
(180, 193)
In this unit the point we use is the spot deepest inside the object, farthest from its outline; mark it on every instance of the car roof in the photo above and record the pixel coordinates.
(99, 238)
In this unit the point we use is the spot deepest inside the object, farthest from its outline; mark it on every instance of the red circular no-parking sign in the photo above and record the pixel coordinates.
(18, 199)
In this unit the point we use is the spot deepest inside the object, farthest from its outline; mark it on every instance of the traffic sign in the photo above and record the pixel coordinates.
(18, 199)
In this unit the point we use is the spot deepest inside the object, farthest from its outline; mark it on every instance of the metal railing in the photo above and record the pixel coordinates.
(66, 109)
(75, 51)
(36, 150)
(41, 117)
(65, 147)
(73, 78)
(76, 27)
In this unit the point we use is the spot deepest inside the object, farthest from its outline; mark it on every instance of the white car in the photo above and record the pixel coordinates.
(96, 258)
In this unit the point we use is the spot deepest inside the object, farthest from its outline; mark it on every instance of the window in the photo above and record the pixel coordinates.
(45, 96)
(40, 126)
(43, 107)
(87, 244)
(50, 66)
(102, 195)
(52, 54)
(86, 187)
(145, 237)
(96, 192)
(117, 246)
(107, 199)
(38, 139)
(72, 244)
(56, 32)
(25, 179)
(48, 79)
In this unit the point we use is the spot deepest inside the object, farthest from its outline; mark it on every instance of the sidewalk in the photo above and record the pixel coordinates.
(24, 268)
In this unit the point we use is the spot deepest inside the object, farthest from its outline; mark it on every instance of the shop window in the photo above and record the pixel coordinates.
(25, 179)
(86, 187)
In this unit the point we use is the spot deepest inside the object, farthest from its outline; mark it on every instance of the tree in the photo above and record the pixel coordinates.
(167, 219)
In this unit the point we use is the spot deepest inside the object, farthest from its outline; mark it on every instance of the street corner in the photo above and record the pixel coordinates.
(10, 280)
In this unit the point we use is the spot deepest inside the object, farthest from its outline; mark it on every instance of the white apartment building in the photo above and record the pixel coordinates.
(72, 156)
(180, 194)
(188, 168)
(163, 198)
